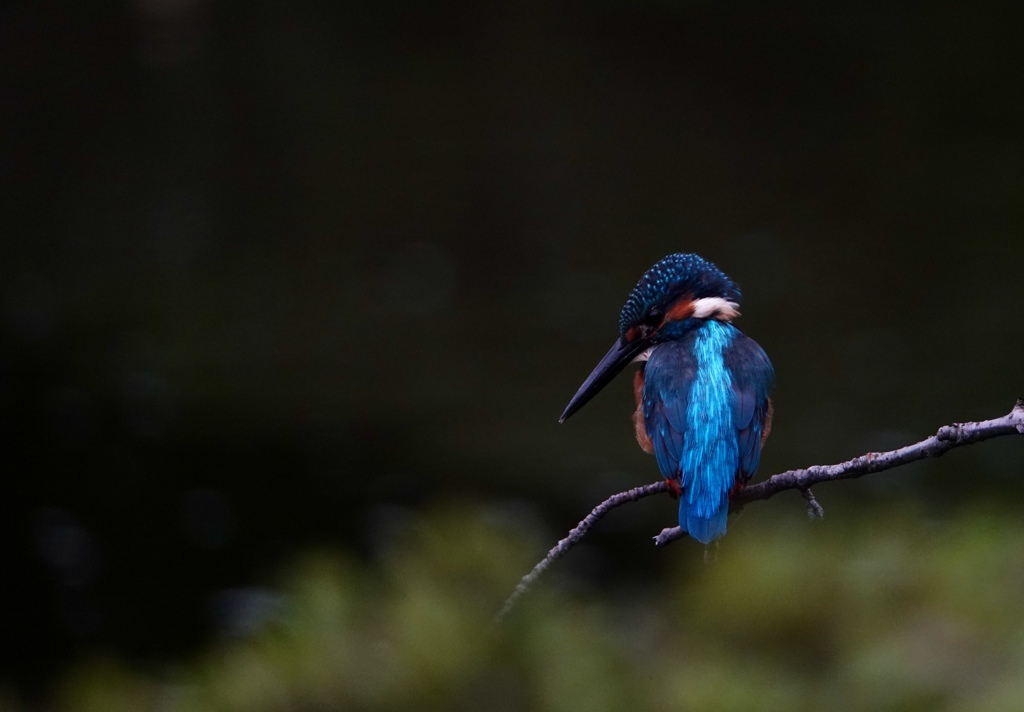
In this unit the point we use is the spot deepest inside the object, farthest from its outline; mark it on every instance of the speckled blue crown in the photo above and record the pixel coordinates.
(672, 277)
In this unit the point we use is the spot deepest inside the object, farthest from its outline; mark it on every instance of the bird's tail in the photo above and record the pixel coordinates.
(699, 525)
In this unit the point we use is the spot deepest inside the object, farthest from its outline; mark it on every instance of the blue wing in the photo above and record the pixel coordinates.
(752, 380)
(668, 377)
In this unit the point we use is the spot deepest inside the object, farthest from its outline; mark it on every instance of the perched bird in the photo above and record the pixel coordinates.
(702, 405)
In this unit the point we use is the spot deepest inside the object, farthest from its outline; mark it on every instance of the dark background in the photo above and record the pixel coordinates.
(281, 278)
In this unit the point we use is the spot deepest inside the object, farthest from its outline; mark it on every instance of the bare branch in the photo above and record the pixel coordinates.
(947, 438)
(574, 537)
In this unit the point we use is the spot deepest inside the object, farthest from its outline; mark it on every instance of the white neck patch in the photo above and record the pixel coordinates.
(646, 354)
(716, 308)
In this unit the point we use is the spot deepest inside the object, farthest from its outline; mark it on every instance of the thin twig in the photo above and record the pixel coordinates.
(814, 509)
(574, 537)
(947, 438)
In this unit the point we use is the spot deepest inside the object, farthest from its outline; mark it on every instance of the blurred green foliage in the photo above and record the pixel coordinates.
(890, 612)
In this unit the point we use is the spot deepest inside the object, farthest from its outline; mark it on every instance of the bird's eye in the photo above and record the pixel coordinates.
(654, 317)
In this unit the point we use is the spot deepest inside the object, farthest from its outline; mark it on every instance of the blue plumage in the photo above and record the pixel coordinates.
(705, 400)
(703, 409)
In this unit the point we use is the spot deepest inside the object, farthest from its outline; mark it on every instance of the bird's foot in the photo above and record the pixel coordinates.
(674, 488)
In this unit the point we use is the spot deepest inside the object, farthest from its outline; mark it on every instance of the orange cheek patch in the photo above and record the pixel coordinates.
(682, 309)
(633, 333)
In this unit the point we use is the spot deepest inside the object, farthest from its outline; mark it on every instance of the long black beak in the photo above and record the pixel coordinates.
(620, 355)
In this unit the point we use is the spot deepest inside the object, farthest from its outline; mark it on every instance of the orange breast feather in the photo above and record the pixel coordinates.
(638, 415)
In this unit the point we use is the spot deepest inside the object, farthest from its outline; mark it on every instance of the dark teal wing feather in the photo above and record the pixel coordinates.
(667, 382)
(752, 380)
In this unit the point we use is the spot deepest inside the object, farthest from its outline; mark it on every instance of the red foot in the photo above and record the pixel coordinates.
(740, 484)
(674, 488)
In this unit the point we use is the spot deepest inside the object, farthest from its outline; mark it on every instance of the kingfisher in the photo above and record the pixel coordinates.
(701, 390)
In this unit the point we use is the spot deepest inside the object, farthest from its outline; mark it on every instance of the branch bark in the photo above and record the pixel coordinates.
(947, 438)
(561, 548)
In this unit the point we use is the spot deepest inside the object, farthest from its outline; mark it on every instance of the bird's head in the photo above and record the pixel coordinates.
(676, 294)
